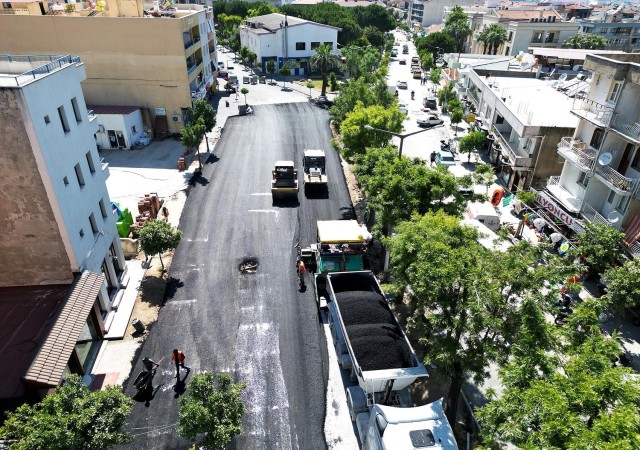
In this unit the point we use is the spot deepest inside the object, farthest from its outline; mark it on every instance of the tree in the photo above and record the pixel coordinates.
(244, 52)
(496, 36)
(310, 85)
(360, 61)
(458, 27)
(484, 37)
(204, 113)
(333, 83)
(215, 411)
(323, 60)
(434, 76)
(485, 175)
(586, 41)
(368, 93)
(191, 137)
(470, 142)
(623, 286)
(600, 245)
(464, 300)
(437, 43)
(271, 67)
(72, 418)
(446, 94)
(261, 9)
(356, 138)
(251, 57)
(157, 237)
(244, 91)
(456, 117)
(374, 36)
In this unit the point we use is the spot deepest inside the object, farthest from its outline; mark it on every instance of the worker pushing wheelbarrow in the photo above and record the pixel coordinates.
(144, 380)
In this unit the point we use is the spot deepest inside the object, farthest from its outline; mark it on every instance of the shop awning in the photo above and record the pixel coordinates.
(632, 232)
(49, 364)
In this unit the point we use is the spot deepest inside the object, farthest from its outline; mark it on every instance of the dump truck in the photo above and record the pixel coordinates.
(315, 175)
(341, 246)
(372, 345)
(284, 180)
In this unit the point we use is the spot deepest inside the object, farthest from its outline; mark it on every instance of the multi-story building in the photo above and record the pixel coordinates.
(621, 33)
(59, 242)
(600, 178)
(284, 38)
(424, 13)
(158, 60)
(527, 118)
(525, 28)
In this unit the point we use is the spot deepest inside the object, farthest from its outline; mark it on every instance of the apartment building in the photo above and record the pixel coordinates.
(159, 60)
(284, 38)
(600, 178)
(61, 254)
(525, 28)
(621, 33)
(423, 13)
(527, 118)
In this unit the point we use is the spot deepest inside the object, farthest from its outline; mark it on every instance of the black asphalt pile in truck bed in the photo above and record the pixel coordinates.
(375, 338)
(352, 282)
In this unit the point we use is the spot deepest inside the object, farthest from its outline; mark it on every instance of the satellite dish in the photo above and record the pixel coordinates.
(614, 216)
(580, 76)
(555, 83)
(563, 77)
(605, 159)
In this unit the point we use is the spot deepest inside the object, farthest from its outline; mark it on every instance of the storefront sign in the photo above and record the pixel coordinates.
(558, 212)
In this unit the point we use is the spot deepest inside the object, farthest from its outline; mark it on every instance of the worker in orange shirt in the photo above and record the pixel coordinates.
(301, 269)
(178, 358)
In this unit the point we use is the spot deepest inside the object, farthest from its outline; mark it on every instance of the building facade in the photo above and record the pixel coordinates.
(621, 34)
(424, 13)
(286, 39)
(158, 60)
(600, 178)
(59, 227)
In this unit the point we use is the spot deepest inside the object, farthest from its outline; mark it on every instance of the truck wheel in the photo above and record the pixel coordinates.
(356, 401)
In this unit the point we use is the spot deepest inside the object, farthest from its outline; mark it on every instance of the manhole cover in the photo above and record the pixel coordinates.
(249, 265)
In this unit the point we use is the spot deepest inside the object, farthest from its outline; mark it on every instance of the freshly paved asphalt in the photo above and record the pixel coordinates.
(258, 327)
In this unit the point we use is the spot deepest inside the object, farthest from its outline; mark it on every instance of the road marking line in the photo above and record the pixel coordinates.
(177, 302)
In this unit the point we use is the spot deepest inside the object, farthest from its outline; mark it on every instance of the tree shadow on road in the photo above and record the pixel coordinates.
(172, 286)
(198, 178)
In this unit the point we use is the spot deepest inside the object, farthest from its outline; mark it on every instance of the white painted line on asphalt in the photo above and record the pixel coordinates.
(206, 239)
(179, 302)
(257, 326)
(261, 193)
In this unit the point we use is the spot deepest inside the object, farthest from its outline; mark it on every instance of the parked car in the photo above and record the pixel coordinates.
(416, 74)
(223, 74)
(394, 52)
(229, 65)
(403, 107)
(445, 158)
(430, 102)
(429, 120)
(403, 62)
(402, 85)
(415, 60)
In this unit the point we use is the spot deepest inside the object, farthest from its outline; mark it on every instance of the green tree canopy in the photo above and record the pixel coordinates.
(357, 138)
(157, 237)
(202, 112)
(72, 418)
(368, 93)
(261, 9)
(191, 136)
(456, 115)
(586, 41)
(496, 36)
(376, 16)
(473, 141)
(457, 26)
(434, 75)
(324, 60)
(374, 36)
(360, 61)
(271, 66)
(623, 286)
(600, 244)
(437, 43)
(214, 411)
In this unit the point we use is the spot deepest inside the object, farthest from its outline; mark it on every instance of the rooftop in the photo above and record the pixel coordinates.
(525, 15)
(569, 53)
(533, 101)
(19, 70)
(112, 109)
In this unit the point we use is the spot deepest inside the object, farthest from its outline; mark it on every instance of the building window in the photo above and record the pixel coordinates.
(499, 119)
(550, 37)
(583, 180)
(635, 164)
(133, 129)
(81, 233)
(301, 45)
(596, 138)
(63, 119)
(47, 120)
(65, 180)
(510, 36)
(623, 203)
(611, 197)
(94, 225)
(537, 37)
(315, 45)
(506, 53)
(79, 175)
(103, 209)
(76, 109)
(329, 44)
(614, 92)
(92, 168)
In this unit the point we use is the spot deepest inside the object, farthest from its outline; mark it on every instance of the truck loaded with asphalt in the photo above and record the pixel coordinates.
(371, 344)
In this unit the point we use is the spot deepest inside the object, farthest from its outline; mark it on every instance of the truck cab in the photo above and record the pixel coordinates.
(284, 180)
(315, 174)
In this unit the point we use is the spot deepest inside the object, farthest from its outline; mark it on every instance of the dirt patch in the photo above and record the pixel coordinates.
(150, 294)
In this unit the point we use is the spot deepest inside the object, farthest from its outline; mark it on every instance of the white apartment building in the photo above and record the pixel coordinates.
(600, 179)
(59, 229)
(528, 118)
(424, 13)
(284, 38)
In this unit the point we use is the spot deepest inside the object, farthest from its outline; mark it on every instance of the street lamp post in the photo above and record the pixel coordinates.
(401, 136)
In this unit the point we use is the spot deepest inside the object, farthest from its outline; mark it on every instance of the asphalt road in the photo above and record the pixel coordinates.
(258, 327)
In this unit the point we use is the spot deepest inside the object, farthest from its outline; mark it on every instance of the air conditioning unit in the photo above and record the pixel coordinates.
(176, 118)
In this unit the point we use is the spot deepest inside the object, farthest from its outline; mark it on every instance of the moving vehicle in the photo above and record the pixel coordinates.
(429, 120)
(415, 60)
(445, 158)
(402, 85)
(403, 62)
(394, 52)
(430, 102)
(405, 49)
(403, 108)
(284, 180)
(417, 74)
(313, 165)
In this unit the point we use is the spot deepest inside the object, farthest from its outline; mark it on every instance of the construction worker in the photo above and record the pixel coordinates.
(301, 269)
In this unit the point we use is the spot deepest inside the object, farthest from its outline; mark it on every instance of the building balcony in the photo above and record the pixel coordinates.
(594, 112)
(515, 158)
(105, 168)
(591, 215)
(616, 181)
(577, 152)
(627, 128)
(571, 202)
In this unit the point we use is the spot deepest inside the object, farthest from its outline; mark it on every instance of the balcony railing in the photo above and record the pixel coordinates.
(571, 150)
(92, 115)
(568, 200)
(616, 179)
(626, 127)
(592, 111)
(592, 215)
(515, 159)
(635, 249)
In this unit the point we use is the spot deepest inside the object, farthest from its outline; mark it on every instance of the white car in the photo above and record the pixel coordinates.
(403, 107)
(429, 120)
(402, 85)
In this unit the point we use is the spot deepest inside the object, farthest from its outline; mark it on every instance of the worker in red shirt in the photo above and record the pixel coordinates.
(301, 269)
(179, 358)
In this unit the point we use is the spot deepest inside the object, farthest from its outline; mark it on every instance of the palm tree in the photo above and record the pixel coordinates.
(324, 60)
(483, 37)
(497, 36)
(586, 41)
